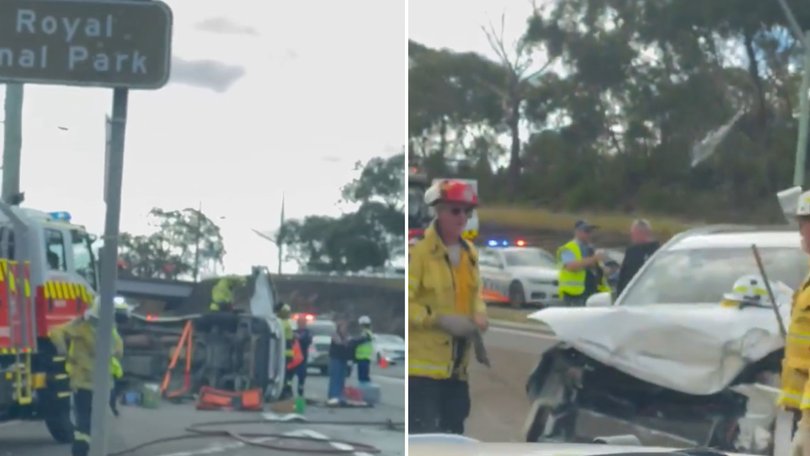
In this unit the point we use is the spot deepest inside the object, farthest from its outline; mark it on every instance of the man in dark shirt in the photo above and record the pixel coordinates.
(642, 248)
(304, 337)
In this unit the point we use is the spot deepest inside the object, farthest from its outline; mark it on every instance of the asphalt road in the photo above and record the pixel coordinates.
(499, 402)
(137, 426)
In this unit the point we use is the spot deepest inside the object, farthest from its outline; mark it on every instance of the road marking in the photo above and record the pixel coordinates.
(317, 435)
(523, 332)
(10, 423)
(386, 379)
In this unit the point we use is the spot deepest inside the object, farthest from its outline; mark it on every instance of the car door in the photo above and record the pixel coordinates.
(492, 277)
(503, 277)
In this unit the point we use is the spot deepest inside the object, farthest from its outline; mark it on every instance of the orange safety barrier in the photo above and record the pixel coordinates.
(215, 399)
(187, 339)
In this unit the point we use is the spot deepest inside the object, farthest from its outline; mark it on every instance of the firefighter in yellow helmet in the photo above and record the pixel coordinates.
(795, 394)
(77, 339)
(222, 293)
(445, 313)
(283, 313)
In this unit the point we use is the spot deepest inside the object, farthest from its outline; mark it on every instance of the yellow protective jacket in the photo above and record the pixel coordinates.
(795, 393)
(437, 288)
(80, 334)
(222, 293)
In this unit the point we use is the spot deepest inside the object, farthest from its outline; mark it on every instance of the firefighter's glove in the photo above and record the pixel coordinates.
(480, 350)
(457, 325)
(801, 439)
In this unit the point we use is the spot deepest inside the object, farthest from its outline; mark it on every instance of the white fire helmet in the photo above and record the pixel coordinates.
(364, 320)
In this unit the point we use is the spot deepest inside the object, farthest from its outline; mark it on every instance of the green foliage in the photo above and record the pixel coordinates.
(366, 238)
(635, 86)
(170, 251)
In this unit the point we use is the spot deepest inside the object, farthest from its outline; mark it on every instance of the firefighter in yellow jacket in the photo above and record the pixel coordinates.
(222, 293)
(795, 394)
(77, 339)
(445, 310)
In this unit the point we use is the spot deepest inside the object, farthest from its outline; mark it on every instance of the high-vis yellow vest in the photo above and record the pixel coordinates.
(572, 283)
(365, 350)
(288, 337)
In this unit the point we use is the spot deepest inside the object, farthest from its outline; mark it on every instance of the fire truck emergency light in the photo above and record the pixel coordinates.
(60, 216)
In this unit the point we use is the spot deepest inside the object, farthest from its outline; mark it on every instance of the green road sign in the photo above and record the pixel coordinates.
(125, 44)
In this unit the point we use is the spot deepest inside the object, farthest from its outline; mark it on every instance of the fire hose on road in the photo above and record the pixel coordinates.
(270, 441)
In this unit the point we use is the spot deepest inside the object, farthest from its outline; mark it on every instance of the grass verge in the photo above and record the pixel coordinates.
(542, 219)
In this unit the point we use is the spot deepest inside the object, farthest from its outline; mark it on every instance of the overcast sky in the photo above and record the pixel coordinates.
(456, 24)
(265, 98)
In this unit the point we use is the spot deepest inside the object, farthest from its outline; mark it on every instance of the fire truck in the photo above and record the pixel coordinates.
(48, 276)
(418, 214)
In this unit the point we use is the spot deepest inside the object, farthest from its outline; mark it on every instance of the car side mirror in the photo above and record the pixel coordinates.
(599, 300)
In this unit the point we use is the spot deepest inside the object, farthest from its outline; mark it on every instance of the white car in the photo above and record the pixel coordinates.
(519, 275)
(672, 347)
(389, 346)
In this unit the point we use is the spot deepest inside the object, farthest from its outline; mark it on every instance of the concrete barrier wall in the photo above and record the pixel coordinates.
(383, 300)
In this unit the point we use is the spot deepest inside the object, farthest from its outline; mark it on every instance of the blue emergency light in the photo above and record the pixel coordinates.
(505, 243)
(60, 216)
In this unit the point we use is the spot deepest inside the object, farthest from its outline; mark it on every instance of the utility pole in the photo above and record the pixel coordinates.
(801, 143)
(280, 244)
(12, 143)
(197, 243)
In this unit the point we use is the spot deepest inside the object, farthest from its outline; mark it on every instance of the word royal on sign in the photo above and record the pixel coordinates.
(68, 28)
(102, 43)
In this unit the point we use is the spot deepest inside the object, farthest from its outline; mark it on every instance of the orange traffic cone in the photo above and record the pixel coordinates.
(383, 362)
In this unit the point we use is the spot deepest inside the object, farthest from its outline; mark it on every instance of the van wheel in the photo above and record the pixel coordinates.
(60, 426)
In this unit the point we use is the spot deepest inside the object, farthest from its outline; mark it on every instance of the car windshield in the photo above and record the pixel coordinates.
(321, 328)
(529, 257)
(694, 276)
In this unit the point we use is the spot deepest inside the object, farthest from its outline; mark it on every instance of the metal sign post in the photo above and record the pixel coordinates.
(109, 272)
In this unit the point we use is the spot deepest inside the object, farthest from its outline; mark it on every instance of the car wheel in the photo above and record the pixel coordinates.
(517, 297)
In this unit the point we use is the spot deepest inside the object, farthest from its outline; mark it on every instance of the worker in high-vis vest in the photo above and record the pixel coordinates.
(222, 293)
(283, 313)
(580, 274)
(795, 394)
(446, 313)
(80, 334)
(364, 351)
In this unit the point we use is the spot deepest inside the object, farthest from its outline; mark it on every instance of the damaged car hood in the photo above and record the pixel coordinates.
(692, 348)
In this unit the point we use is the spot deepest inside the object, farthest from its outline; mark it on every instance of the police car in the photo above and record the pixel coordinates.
(518, 274)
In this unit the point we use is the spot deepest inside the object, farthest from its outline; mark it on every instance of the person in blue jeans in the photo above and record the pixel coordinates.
(304, 337)
(341, 351)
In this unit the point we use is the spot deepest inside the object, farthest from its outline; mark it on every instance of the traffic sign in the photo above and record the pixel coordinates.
(112, 43)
